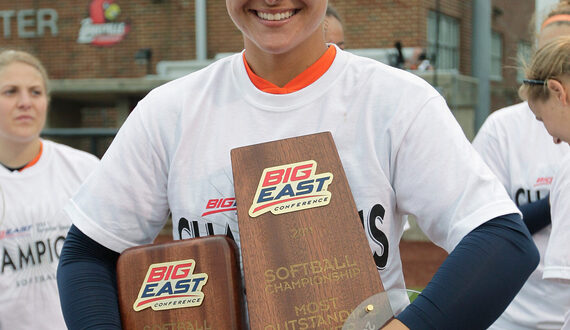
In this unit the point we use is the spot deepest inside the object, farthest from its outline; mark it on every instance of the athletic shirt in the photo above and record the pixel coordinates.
(520, 151)
(31, 235)
(557, 256)
(401, 148)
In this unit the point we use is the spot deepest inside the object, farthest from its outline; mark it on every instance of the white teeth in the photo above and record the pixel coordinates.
(275, 17)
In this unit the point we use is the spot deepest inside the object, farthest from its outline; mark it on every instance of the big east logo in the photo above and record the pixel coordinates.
(170, 285)
(291, 187)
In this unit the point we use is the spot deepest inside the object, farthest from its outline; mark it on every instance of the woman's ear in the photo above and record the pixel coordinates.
(559, 91)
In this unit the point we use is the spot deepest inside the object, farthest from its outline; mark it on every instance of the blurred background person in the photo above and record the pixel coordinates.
(547, 89)
(521, 153)
(36, 178)
(419, 60)
(397, 58)
(333, 28)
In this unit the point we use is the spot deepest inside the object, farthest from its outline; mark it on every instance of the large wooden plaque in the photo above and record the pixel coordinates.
(307, 263)
(187, 284)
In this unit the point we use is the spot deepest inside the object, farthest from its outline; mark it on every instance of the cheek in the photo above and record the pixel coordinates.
(6, 107)
(4, 116)
(232, 8)
(42, 108)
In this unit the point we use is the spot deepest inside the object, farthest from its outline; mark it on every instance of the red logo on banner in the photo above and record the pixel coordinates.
(101, 27)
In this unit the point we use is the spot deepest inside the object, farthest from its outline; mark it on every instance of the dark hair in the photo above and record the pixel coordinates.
(332, 12)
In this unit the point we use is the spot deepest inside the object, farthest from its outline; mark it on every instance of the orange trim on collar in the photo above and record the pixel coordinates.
(35, 160)
(304, 79)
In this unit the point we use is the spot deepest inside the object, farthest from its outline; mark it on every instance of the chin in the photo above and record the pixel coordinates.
(274, 44)
(275, 49)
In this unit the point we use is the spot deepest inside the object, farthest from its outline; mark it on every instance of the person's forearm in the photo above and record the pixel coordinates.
(86, 278)
(536, 215)
(476, 282)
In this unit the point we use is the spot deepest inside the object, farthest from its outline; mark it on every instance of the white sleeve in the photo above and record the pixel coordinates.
(124, 202)
(557, 256)
(442, 180)
(491, 147)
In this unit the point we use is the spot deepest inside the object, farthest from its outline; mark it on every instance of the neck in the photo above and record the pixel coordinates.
(279, 69)
(18, 154)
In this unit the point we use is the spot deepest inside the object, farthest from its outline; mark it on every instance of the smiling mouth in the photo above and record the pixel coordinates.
(277, 16)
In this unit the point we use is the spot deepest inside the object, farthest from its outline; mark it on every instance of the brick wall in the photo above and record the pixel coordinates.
(507, 21)
(379, 24)
(168, 28)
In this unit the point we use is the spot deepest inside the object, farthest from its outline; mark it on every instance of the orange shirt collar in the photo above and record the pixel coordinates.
(307, 77)
(35, 160)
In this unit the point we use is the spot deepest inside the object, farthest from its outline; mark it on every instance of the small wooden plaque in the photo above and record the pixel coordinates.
(306, 259)
(188, 284)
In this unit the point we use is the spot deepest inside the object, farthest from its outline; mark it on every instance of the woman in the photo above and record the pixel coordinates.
(520, 152)
(36, 178)
(547, 89)
(394, 134)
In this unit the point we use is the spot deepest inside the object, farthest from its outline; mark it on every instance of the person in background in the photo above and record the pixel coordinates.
(333, 28)
(547, 89)
(419, 60)
(397, 59)
(520, 152)
(36, 178)
(401, 148)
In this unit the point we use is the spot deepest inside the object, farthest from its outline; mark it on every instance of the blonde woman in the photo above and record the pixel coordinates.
(520, 152)
(547, 89)
(36, 178)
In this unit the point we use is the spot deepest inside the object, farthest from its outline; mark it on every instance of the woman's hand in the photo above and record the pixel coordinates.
(395, 324)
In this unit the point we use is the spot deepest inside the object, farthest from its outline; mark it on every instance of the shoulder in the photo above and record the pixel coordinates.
(395, 90)
(197, 80)
(72, 155)
(166, 102)
(385, 75)
(508, 120)
(561, 183)
(514, 117)
(519, 112)
(565, 167)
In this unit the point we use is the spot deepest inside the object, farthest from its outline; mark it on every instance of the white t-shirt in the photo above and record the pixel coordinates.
(557, 258)
(31, 235)
(519, 150)
(402, 150)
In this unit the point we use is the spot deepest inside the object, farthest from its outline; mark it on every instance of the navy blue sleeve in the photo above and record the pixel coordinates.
(478, 280)
(86, 278)
(536, 215)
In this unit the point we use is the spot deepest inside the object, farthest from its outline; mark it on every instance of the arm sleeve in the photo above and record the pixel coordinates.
(86, 278)
(476, 282)
(536, 215)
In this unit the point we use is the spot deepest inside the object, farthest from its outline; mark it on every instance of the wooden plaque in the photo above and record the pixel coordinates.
(307, 262)
(188, 284)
